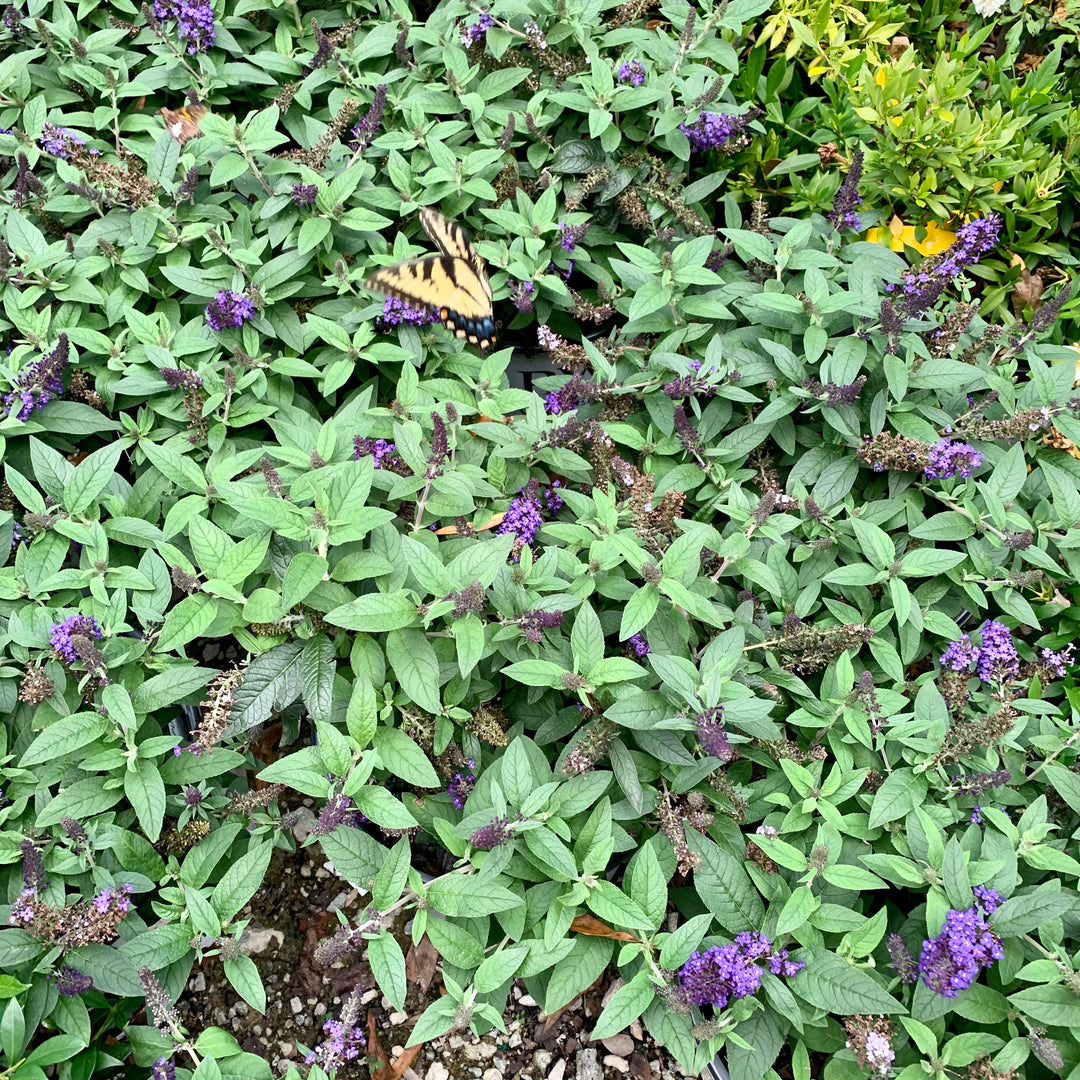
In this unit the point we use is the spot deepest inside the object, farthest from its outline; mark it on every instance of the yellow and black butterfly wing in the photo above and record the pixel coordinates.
(451, 239)
(452, 285)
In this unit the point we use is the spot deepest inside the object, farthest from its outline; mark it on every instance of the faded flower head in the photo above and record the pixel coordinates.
(903, 963)
(60, 636)
(461, 785)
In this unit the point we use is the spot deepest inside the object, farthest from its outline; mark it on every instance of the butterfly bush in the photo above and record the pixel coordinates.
(712, 639)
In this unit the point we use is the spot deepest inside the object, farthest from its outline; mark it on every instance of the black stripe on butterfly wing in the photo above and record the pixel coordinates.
(448, 236)
(458, 288)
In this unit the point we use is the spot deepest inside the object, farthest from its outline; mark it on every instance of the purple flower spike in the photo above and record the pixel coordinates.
(61, 633)
(38, 383)
(719, 131)
(844, 214)
(949, 459)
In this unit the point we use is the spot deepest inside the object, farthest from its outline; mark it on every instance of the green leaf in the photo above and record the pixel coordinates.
(1054, 1005)
(241, 881)
(469, 896)
(417, 667)
(625, 1006)
(375, 613)
(170, 686)
(800, 905)
(724, 886)
(455, 944)
(90, 477)
(146, 793)
(1024, 913)
(272, 681)
(469, 639)
(586, 640)
(902, 791)
(577, 971)
(318, 668)
(545, 846)
(611, 904)
(383, 808)
(648, 885)
(683, 941)
(244, 978)
(65, 736)
(499, 967)
(830, 983)
(190, 618)
(402, 757)
(388, 966)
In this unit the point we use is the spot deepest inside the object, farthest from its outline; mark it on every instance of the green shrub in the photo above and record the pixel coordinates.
(661, 643)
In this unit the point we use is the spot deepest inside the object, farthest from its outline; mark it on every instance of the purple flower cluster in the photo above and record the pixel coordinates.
(951, 962)
(554, 502)
(37, 384)
(70, 982)
(364, 133)
(921, 286)
(726, 972)
(113, 899)
(59, 141)
(383, 451)
(903, 963)
(304, 194)
(632, 72)
(719, 131)
(572, 394)
(523, 518)
(638, 645)
(490, 836)
(843, 214)
(181, 379)
(345, 1037)
(475, 32)
(687, 386)
(711, 734)
(534, 623)
(995, 658)
(229, 310)
(461, 785)
(570, 235)
(163, 1069)
(522, 296)
(1058, 663)
(976, 815)
(948, 459)
(194, 21)
(60, 635)
(397, 313)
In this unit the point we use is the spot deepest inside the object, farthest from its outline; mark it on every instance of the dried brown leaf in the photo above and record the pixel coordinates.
(589, 924)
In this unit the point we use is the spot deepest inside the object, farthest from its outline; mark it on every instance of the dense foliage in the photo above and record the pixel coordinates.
(734, 654)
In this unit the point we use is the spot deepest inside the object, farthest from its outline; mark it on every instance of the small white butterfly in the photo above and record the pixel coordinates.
(986, 8)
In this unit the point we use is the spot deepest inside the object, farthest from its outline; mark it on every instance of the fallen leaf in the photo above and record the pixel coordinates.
(408, 1056)
(589, 924)
(420, 963)
(639, 1067)
(451, 530)
(377, 1050)
(1058, 441)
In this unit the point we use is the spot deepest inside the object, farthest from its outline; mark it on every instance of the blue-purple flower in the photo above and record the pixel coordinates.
(922, 285)
(382, 451)
(344, 1037)
(720, 131)
(638, 645)
(995, 658)
(632, 72)
(524, 517)
(475, 32)
(59, 141)
(490, 836)
(38, 383)
(522, 296)
(726, 972)
(399, 313)
(229, 310)
(844, 214)
(976, 815)
(951, 962)
(70, 982)
(61, 633)
(194, 22)
(364, 133)
(461, 785)
(570, 235)
(304, 194)
(712, 737)
(948, 459)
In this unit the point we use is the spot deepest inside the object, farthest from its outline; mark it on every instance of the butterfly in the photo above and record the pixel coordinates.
(454, 282)
(183, 123)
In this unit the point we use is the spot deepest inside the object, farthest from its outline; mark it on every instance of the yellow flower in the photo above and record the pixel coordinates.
(900, 236)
